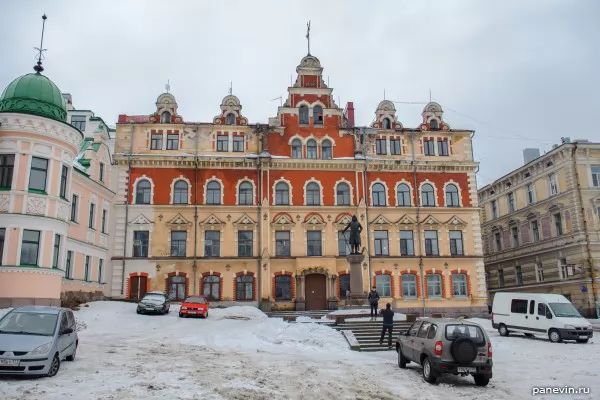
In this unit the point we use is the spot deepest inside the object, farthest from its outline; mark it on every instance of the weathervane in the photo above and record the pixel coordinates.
(38, 68)
(230, 88)
(168, 85)
(308, 36)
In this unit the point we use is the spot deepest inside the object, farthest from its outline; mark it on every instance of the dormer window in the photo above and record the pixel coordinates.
(387, 124)
(231, 119)
(165, 117)
(434, 125)
(318, 115)
(303, 115)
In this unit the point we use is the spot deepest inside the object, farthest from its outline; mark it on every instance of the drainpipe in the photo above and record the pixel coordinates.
(195, 267)
(263, 147)
(586, 233)
(418, 204)
(127, 206)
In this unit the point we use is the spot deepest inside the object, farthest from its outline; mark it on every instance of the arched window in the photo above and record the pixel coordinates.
(403, 195)
(296, 148)
(244, 287)
(384, 285)
(409, 286)
(343, 194)
(143, 192)
(231, 119)
(303, 112)
(311, 149)
(283, 287)
(313, 194)
(434, 285)
(326, 153)
(176, 288)
(378, 192)
(459, 285)
(180, 192)
(282, 194)
(165, 117)
(213, 193)
(318, 115)
(245, 193)
(452, 196)
(387, 124)
(433, 125)
(427, 195)
(211, 287)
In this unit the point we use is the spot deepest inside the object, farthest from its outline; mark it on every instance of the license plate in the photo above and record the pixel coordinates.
(150, 308)
(10, 363)
(466, 369)
(192, 312)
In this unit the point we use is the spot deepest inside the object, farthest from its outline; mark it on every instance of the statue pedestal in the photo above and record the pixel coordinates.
(357, 296)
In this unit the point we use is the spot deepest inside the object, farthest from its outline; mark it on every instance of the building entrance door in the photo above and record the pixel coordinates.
(315, 292)
(137, 287)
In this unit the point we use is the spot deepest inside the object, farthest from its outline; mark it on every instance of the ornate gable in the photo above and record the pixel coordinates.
(381, 220)
(431, 221)
(513, 221)
(283, 220)
(342, 220)
(245, 221)
(406, 222)
(231, 105)
(179, 222)
(212, 221)
(455, 221)
(314, 220)
(140, 220)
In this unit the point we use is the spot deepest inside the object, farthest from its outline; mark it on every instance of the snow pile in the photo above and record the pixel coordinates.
(275, 331)
(237, 312)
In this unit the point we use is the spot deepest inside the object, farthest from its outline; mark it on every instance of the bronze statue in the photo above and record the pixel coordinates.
(355, 230)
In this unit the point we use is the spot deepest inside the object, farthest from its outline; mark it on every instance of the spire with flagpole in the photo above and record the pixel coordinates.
(308, 36)
(38, 68)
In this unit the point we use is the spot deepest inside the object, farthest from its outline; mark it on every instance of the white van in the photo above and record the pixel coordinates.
(539, 314)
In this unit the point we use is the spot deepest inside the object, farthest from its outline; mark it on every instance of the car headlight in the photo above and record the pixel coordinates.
(569, 327)
(184, 308)
(43, 349)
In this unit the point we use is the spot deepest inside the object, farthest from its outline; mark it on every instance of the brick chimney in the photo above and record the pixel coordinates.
(349, 115)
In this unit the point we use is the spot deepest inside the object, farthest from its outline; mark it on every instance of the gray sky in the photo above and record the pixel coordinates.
(522, 74)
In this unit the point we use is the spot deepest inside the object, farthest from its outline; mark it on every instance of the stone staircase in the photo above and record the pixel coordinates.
(292, 316)
(364, 335)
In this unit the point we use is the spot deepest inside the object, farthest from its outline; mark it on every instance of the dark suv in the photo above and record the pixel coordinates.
(446, 346)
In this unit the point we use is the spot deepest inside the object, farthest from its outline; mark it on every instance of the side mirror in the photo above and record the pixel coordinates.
(403, 333)
(66, 331)
(549, 315)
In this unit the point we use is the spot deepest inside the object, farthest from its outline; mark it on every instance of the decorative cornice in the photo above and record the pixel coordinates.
(31, 270)
(41, 126)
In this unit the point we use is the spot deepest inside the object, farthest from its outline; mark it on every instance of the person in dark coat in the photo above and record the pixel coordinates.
(388, 324)
(373, 298)
(355, 230)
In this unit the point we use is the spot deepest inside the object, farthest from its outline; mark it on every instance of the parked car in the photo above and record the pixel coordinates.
(35, 339)
(550, 315)
(154, 303)
(194, 306)
(447, 346)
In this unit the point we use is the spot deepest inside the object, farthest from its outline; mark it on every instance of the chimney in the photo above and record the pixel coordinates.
(349, 114)
(530, 155)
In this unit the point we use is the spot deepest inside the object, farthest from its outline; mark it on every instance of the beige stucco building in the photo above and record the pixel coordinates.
(541, 226)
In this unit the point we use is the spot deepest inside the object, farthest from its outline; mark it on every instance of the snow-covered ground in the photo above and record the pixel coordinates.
(239, 353)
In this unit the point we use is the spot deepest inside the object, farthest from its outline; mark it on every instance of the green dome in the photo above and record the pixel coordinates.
(34, 94)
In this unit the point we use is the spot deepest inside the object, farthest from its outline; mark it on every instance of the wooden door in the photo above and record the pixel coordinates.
(315, 292)
(137, 287)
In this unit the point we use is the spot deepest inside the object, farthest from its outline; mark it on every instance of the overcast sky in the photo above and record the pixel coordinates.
(521, 74)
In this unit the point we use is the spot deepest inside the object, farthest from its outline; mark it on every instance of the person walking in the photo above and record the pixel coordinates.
(388, 324)
(373, 298)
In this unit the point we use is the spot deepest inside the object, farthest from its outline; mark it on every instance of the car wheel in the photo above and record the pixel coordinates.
(401, 359)
(481, 380)
(528, 335)
(72, 356)
(503, 330)
(554, 336)
(54, 367)
(428, 374)
(181, 315)
(582, 340)
(138, 311)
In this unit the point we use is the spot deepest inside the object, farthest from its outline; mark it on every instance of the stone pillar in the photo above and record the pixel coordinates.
(332, 301)
(300, 299)
(357, 294)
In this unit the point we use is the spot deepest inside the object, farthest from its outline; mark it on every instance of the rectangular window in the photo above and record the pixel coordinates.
(172, 141)
(431, 243)
(384, 285)
(92, 222)
(343, 246)
(514, 232)
(74, 205)
(238, 143)
(104, 212)
(178, 243)
(456, 243)
(282, 243)
(212, 243)
(381, 146)
(382, 245)
(56, 252)
(553, 184)
(563, 269)
(518, 306)
(7, 165)
(314, 243)
(511, 202)
(100, 271)
(140, 243)
(86, 273)
(222, 143)
(518, 275)
(595, 175)
(69, 265)
(539, 272)
(156, 141)
(38, 174)
(429, 147)
(283, 287)
(245, 243)
(30, 247)
(443, 148)
(530, 193)
(434, 285)
(2, 237)
(558, 224)
(498, 241)
(409, 286)
(78, 121)
(407, 243)
(395, 147)
(101, 172)
(63, 181)
(501, 278)
(494, 209)
(535, 231)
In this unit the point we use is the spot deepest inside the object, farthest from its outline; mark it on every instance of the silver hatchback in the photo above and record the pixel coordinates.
(35, 339)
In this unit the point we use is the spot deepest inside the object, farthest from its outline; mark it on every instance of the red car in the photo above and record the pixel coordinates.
(194, 306)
